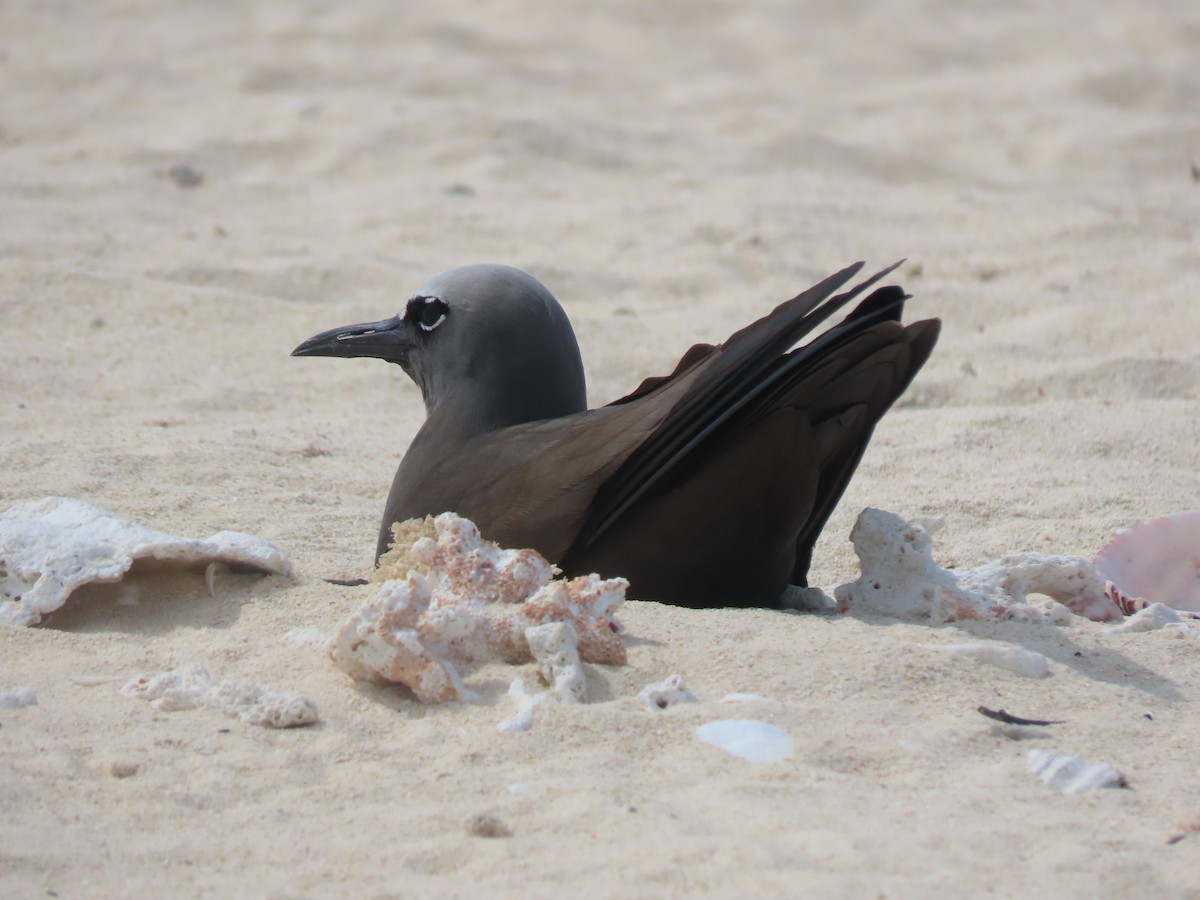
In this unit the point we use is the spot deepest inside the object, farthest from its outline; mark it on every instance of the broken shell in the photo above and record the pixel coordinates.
(49, 547)
(1157, 561)
(749, 739)
(1072, 774)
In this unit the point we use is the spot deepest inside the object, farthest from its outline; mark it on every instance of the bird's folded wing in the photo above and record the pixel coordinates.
(724, 382)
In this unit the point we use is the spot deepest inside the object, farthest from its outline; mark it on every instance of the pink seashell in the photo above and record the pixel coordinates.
(1157, 561)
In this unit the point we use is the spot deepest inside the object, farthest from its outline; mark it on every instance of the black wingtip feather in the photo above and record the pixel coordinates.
(730, 383)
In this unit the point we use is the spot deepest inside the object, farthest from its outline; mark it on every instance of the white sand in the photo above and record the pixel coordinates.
(670, 171)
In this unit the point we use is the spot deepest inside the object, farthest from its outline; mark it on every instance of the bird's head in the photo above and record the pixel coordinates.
(488, 345)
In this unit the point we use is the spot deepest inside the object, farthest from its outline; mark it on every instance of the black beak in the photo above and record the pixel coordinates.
(390, 339)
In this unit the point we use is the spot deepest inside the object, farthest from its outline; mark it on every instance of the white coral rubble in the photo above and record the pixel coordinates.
(899, 577)
(1182, 623)
(463, 601)
(666, 693)
(555, 648)
(50, 547)
(522, 719)
(195, 688)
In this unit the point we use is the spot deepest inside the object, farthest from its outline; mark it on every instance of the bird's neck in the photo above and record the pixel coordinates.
(448, 423)
(454, 417)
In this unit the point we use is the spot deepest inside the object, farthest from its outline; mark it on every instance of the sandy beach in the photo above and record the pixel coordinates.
(189, 191)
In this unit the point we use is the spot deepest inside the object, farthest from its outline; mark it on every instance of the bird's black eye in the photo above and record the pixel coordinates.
(427, 312)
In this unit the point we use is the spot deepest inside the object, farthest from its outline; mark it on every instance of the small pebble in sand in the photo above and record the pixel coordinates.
(184, 175)
(487, 826)
(124, 768)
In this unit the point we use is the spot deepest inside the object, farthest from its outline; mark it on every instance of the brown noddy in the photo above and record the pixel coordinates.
(706, 487)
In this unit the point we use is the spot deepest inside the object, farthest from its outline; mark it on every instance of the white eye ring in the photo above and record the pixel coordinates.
(433, 325)
(419, 307)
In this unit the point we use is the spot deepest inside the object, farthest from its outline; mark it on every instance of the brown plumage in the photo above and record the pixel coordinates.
(707, 487)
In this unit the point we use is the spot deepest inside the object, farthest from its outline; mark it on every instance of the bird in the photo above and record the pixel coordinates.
(704, 488)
